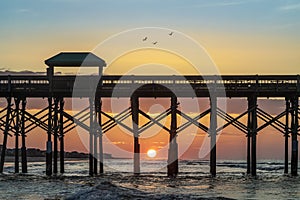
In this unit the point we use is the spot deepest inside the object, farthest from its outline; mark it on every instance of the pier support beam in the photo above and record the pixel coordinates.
(55, 136)
(7, 123)
(61, 135)
(95, 138)
(135, 124)
(101, 170)
(249, 125)
(173, 146)
(17, 129)
(294, 128)
(213, 134)
(252, 105)
(91, 143)
(23, 147)
(286, 136)
(49, 141)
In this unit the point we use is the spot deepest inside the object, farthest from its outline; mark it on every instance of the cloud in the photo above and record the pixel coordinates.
(4, 71)
(222, 4)
(23, 10)
(290, 7)
(235, 133)
(24, 72)
(272, 106)
(282, 26)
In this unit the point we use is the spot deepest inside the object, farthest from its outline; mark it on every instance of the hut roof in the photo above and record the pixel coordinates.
(75, 59)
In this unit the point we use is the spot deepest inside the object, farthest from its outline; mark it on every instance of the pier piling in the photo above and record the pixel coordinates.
(95, 132)
(135, 125)
(7, 124)
(61, 136)
(249, 142)
(17, 129)
(101, 170)
(91, 132)
(294, 127)
(286, 136)
(252, 106)
(173, 146)
(49, 141)
(55, 136)
(23, 147)
(213, 134)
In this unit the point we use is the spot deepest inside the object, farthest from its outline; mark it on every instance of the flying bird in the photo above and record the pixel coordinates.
(154, 43)
(145, 38)
(171, 33)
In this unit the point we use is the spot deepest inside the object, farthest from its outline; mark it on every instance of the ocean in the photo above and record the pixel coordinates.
(118, 181)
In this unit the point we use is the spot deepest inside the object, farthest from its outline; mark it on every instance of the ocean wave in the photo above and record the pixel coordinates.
(109, 191)
(263, 165)
(194, 185)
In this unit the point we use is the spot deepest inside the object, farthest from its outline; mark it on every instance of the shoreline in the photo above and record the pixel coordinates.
(11, 159)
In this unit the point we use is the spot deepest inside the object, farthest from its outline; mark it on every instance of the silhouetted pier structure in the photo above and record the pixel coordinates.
(16, 121)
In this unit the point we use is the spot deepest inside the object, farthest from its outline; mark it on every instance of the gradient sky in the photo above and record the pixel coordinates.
(241, 36)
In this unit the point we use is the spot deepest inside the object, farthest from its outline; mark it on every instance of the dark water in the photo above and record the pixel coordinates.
(193, 182)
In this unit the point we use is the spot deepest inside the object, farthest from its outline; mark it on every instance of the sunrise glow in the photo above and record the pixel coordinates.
(151, 153)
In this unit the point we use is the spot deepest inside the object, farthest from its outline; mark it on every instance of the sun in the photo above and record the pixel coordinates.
(151, 153)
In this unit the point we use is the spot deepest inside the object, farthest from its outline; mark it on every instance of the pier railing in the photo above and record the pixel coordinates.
(235, 86)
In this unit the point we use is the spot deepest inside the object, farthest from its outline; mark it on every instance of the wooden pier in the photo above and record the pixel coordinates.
(17, 122)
